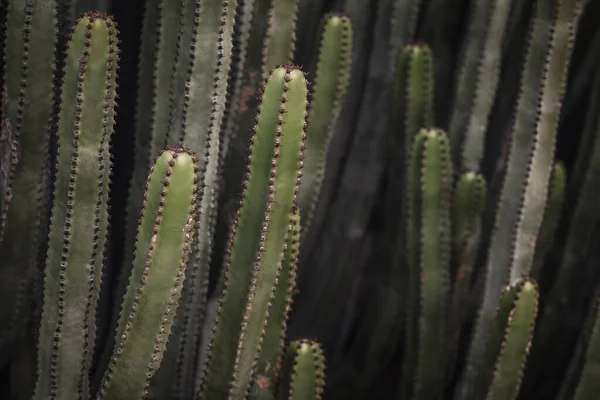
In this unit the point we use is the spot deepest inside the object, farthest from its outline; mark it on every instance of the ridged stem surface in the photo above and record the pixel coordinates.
(257, 241)
(162, 246)
(73, 271)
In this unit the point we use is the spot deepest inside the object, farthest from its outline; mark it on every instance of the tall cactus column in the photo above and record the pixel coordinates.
(79, 216)
(258, 239)
(30, 42)
(428, 250)
(162, 246)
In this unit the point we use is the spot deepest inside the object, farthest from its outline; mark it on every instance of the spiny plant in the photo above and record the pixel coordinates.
(73, 271)
(451, 308)
(259, 235)
(303, 371)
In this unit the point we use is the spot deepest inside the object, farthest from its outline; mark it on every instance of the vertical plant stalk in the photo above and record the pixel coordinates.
(158, 54)
(477, 81)
(588, 386)
(428, 248)
(80, 214)
(27, 103)
(524, 191)
(161, 253)
(268, 364)
(554, 205)
(510, 341)
(271, 43)
(202, 114)
(328, 91)
(468, 205)
(258, 236)
(303, 372)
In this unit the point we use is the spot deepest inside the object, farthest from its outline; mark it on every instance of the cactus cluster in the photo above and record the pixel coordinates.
(480, 281)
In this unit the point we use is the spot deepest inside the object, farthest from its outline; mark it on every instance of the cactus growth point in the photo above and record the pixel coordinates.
(303, 372)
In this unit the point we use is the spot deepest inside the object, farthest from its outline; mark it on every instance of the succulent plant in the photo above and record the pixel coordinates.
(157, 254)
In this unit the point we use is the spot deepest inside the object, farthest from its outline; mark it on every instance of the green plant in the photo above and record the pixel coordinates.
(432, 293)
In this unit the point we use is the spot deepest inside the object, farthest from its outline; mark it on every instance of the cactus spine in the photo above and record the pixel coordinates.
(303, 372)
(259, 235)
(428, 250)
(331, 82)
(30, 43)
(74, 262)
(161, 252)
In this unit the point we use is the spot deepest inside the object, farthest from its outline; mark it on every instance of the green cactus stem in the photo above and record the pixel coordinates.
(80, 214)
(328, 91)
(554, 205)
(163, 243)
(303, 372)
(510, 340)
(271, 42)
(428, 244)
(588, 386)
(27, 104)
(477, 81)
(258, 236)
(414, 110)
(272, 346)
(468, 204)
(525, 186)
(198, 128)
(158, 54)
(563, 303)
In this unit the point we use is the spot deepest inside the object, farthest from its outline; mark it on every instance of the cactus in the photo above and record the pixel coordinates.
(468, 205)
(201, 119)
(331, 82)
(477, 81)
(554, 205)
(271, 42)
(163, 243)
(428, 253)
(269, 361)
(524, 191)
(414, 89)
(303, 372)
(259, 235)
(27, 104)
(80, 215)
(510, 340)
